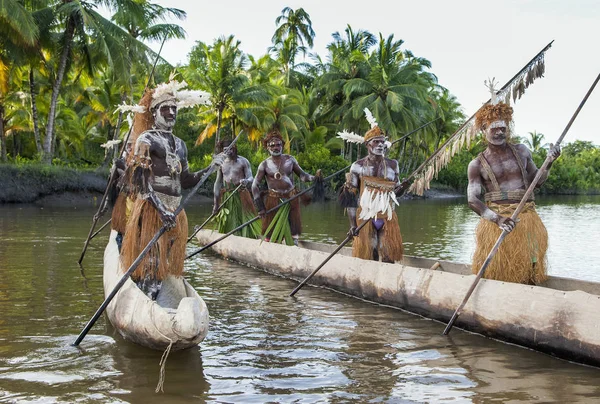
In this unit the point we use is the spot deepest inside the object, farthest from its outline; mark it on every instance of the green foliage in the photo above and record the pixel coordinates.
(577, 171)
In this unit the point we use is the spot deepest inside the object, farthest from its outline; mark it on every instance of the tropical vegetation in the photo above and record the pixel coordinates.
(65, 66)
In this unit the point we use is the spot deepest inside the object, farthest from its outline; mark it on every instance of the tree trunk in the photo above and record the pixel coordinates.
(16, 144)
(2, 137)
(34, 114)
(62, 65)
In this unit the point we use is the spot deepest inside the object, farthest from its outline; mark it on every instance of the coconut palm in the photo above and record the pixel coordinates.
(395, 90)
(294, 35)
(534, 143)
(79, 22)
(219, 69)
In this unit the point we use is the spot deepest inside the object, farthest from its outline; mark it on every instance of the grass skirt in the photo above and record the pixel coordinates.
(167, 254)
(521, 257)
(285, 222)
(387, 241)
(237, 210)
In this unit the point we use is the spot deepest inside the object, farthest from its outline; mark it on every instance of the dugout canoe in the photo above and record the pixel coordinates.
(178, 316)
(560, 318)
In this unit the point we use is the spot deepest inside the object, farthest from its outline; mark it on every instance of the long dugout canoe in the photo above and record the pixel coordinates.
(561, 318)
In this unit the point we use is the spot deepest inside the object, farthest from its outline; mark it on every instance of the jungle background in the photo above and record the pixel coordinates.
(65, 67)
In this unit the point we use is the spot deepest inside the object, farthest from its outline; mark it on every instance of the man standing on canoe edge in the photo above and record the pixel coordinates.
(504, 171)
(239, 208)
(157, 172)
(370, 192)
(277, 170)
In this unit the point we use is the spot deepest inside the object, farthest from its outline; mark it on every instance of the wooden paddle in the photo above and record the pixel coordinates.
(140, 257)
(113, 174)
(198, 228)
(514, 216)
(339, 247)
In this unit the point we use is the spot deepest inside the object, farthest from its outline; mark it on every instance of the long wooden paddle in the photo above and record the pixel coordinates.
(339, 247)
(515, 215)
(140, 257)
(113, 174)
(241, 226)
(198, 228)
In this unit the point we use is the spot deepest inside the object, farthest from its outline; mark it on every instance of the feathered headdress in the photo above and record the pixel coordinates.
(467, 132)
(375, 131)
(172, 90)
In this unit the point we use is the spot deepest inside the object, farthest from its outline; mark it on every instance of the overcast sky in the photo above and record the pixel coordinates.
(466, 42)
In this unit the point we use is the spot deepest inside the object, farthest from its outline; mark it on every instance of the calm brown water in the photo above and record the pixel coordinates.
(264, 346)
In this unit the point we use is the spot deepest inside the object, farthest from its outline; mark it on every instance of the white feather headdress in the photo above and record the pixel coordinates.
(370, 118)
(351, 137)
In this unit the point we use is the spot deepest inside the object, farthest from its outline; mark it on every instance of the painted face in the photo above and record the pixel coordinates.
(496, 133)
(376, 146)
(275, 147)
(165, 116)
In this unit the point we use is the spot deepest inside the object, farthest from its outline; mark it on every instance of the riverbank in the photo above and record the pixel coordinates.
(64, 186)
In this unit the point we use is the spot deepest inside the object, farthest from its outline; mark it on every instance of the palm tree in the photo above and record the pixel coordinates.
(534, 143)
(287, 112)
(395, 90)
(80, 21)
(294, 35)
(219, 69)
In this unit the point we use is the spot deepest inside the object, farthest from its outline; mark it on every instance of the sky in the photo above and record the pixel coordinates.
(467, 42)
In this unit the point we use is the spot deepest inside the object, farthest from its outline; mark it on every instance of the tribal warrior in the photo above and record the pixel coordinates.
(158, 171)
(504, 171)
(239, 208)
(278, 172)
(369, 194)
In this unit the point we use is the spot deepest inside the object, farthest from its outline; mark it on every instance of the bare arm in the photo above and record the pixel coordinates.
(353, 181)
(532, 169)
(258, 202)
(217, 190)
(248, 172)
(303, 175)
(474, 193)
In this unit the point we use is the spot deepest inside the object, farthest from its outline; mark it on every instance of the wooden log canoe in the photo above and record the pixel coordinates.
(178, 316)
(560, 318)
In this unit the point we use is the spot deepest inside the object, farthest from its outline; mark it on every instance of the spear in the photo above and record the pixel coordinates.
(515, 214)
(113, 174)
(455, 135)
(151, 243)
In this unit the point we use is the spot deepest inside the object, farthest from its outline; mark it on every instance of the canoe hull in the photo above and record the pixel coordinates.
(561, 323)
(179, 316)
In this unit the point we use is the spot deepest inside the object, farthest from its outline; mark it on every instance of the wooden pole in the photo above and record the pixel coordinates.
(101, 228)
(198, 228)
(515, 214)
(338, 248)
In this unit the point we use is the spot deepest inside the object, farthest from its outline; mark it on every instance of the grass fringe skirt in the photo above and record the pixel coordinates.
(237, 210)
(521, 257)
(168, 253)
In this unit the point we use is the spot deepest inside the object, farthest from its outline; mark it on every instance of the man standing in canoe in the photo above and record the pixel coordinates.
(239, 208)
(369, 194)
(501, 174)
(157, 172)
(277, 170)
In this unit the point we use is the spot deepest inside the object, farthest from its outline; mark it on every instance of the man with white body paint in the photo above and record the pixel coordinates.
(278, 172)
(501, 175)
(370, 193)
(158, 172)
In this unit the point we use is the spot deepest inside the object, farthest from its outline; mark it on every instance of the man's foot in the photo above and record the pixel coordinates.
(295, 242)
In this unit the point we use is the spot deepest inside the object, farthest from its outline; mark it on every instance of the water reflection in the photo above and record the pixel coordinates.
(262, 345)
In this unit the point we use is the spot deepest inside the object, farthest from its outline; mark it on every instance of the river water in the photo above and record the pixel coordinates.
(262, 345)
